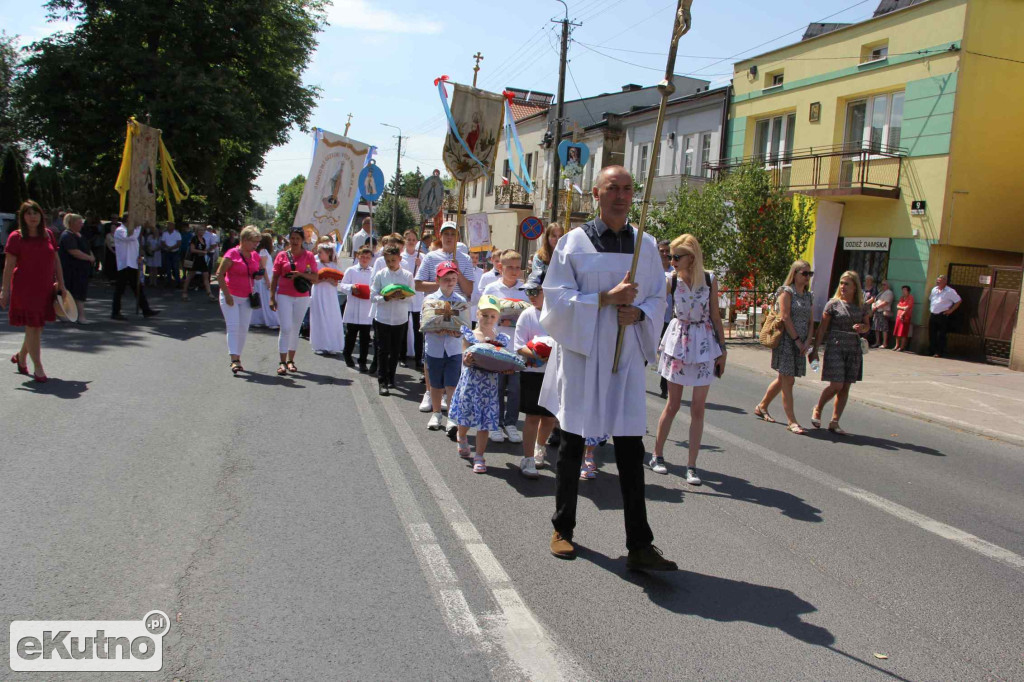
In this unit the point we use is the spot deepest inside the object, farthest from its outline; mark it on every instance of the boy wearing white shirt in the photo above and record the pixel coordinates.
(355, 284)
(508, 286)
(391, 317)
(539, 421)
(411, 262)
(443, 350)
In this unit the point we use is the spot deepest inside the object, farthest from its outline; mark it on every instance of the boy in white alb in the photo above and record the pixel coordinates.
(508, 285)
(390, 316)
(539, 420)
(356, 286)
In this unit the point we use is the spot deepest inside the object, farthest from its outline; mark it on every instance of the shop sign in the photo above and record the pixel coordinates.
(866, 243)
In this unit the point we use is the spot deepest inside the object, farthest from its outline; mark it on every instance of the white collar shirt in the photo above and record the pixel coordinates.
(527, 329)
(441, 345)
(396, 311)
(941, 300)
(357, 310)
(127, 248)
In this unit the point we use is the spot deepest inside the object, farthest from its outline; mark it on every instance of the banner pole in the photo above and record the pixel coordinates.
(666, 87)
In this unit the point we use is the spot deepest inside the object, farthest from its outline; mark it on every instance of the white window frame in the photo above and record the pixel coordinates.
(643, 152)
(784, 122)
(689, 143)
(705, 155)
(869, 114)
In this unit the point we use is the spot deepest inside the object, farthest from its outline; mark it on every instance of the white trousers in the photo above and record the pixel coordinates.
(290, 311)
(237, 318)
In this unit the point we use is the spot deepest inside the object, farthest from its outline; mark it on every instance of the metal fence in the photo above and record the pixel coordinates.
(743, 312)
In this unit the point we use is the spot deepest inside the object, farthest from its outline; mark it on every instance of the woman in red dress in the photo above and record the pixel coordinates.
(27, 292)
(904, 314)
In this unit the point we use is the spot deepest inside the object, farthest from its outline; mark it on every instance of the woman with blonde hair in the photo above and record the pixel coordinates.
(236, 277)
(845, 318)
(690, 353)
(795, 302)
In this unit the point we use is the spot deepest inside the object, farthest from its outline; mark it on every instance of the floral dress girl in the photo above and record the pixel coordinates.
(475, 402)
(688, 349)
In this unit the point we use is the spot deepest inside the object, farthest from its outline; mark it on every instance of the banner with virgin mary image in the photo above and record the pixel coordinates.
(332, 185)
(474, 127)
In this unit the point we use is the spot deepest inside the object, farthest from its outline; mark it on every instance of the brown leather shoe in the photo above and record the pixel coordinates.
(562, 548)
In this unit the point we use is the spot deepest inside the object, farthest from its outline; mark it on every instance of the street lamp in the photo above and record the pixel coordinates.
(398, 178)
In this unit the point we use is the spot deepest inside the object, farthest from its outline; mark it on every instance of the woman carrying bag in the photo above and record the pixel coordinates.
(235, 276)
(294, 277)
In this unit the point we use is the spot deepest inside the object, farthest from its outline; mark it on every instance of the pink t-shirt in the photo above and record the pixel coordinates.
(238, 276)
(304, 263)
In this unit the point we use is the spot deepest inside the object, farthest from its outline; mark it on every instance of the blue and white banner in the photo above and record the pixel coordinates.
(331, 194)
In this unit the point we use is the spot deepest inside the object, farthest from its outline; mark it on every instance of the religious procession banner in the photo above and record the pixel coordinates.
(474, 127)
(331, 193)
(136, 180)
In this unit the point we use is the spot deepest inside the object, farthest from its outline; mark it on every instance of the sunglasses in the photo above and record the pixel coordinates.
(532, 292)
(807, 273)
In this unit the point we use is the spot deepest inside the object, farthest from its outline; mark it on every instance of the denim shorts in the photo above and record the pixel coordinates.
(444, 372)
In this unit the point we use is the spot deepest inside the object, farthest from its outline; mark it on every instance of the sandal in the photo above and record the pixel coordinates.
(478, 465)
(589, 469)
(291, 366)
(763, 415)
(833, 426)
(22, 369)
(281, 369)
(796, 428)
(816, 417)
(42, 379)
(236, 366)
(464, 451)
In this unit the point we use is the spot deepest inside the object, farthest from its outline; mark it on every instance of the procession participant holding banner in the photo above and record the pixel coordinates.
(294, 276)
(126, 247)
(587, 295)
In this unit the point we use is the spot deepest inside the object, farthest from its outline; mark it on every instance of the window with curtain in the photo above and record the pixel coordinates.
(875, 123)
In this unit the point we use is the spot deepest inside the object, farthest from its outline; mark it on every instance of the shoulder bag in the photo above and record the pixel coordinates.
(771, 330)
(301, 284)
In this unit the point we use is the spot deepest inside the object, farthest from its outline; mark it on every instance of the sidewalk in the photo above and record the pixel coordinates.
(984, 399)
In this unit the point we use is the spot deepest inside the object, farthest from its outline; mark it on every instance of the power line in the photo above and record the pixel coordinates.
(601, 10)
(582, 100)
(632, 26)
(515, 60)
(992, 56)
(782, 59)
(649, 68)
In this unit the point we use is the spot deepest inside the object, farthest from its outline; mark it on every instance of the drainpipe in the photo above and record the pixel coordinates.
(725, 125)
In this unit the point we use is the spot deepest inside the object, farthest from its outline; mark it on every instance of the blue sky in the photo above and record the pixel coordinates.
(378, 58)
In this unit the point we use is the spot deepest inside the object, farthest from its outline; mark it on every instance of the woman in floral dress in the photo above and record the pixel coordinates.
(690, 352)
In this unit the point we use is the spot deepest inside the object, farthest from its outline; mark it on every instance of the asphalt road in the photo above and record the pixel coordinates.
(304, 528)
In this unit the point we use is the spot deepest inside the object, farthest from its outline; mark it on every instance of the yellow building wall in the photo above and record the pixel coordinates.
(987, 145)
(924, 178)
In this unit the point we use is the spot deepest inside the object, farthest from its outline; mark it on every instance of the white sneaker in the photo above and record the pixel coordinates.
(435, 421)
(444, 403)
(657, 465)
(528, 468)
(450, 427)
(496, 436)
(513, 434)
(691, 476)
(425, 404)
(538, 456)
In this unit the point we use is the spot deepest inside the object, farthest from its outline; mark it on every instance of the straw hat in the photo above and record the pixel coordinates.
(65, 307)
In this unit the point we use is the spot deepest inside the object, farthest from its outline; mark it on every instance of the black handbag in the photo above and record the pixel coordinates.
(254, 296)
(301, 284)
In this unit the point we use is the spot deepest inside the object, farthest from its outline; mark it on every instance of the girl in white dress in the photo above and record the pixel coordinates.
(690, 353)
(264, 316)
(326, 332)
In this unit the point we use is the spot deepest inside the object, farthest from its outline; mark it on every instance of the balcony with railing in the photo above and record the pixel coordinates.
(581, 206)
(842, 170)
(512, 196)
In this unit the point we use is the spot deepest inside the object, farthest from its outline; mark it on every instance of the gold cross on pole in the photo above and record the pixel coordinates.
(347, 124)
(478, 58)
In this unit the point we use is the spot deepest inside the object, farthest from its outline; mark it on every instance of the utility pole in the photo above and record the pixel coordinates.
(398, 178)
(556, 164)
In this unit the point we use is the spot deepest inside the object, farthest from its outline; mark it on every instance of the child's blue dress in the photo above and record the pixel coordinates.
(475, 403)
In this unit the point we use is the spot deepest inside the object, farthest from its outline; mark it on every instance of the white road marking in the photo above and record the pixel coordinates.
(951, 533)
(524, 639)
(433, 563)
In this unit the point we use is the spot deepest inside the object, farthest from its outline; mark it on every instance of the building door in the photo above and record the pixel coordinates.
(864, 263)
(983, 326)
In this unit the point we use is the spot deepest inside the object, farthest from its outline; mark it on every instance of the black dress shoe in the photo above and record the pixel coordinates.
(118, 316)
(349, 362)
(649, 558)
(555, 438)
(150, 313)
(383, 390)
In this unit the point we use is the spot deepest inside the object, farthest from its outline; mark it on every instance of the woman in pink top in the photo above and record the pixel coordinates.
(235, 275)
(290, 303)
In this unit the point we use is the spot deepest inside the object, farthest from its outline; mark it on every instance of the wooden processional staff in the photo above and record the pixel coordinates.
(666, 87)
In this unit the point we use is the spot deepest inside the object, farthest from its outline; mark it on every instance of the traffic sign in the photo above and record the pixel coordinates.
(531, 228)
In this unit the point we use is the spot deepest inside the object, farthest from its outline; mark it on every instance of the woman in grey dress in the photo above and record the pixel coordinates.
(795, 305)
(845, 318)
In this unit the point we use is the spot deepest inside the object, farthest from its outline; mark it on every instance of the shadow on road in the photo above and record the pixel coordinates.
(60, 388)
(872, 442)
(740, 489)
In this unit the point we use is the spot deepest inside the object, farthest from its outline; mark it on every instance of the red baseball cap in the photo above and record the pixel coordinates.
(446, 267)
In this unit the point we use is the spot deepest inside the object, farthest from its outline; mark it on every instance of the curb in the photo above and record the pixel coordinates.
(1011, 438)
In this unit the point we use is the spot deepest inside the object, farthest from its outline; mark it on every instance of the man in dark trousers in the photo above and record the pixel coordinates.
(126, 247)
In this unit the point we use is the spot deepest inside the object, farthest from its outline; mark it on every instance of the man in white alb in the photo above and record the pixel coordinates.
(586, 298)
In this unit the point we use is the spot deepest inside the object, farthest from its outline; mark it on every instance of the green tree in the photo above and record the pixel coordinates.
(10, 123)
(13, 189)
(449, 182)
(221, 78)
(261, 215)
(288, 197)
(747, 226)
(382, 216)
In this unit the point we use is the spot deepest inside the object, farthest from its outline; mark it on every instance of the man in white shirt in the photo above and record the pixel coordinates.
(942, 302)
(508, 286)
(126, 248)
(587, 297)
(170, 242)
(426, 276)
(364, 235)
